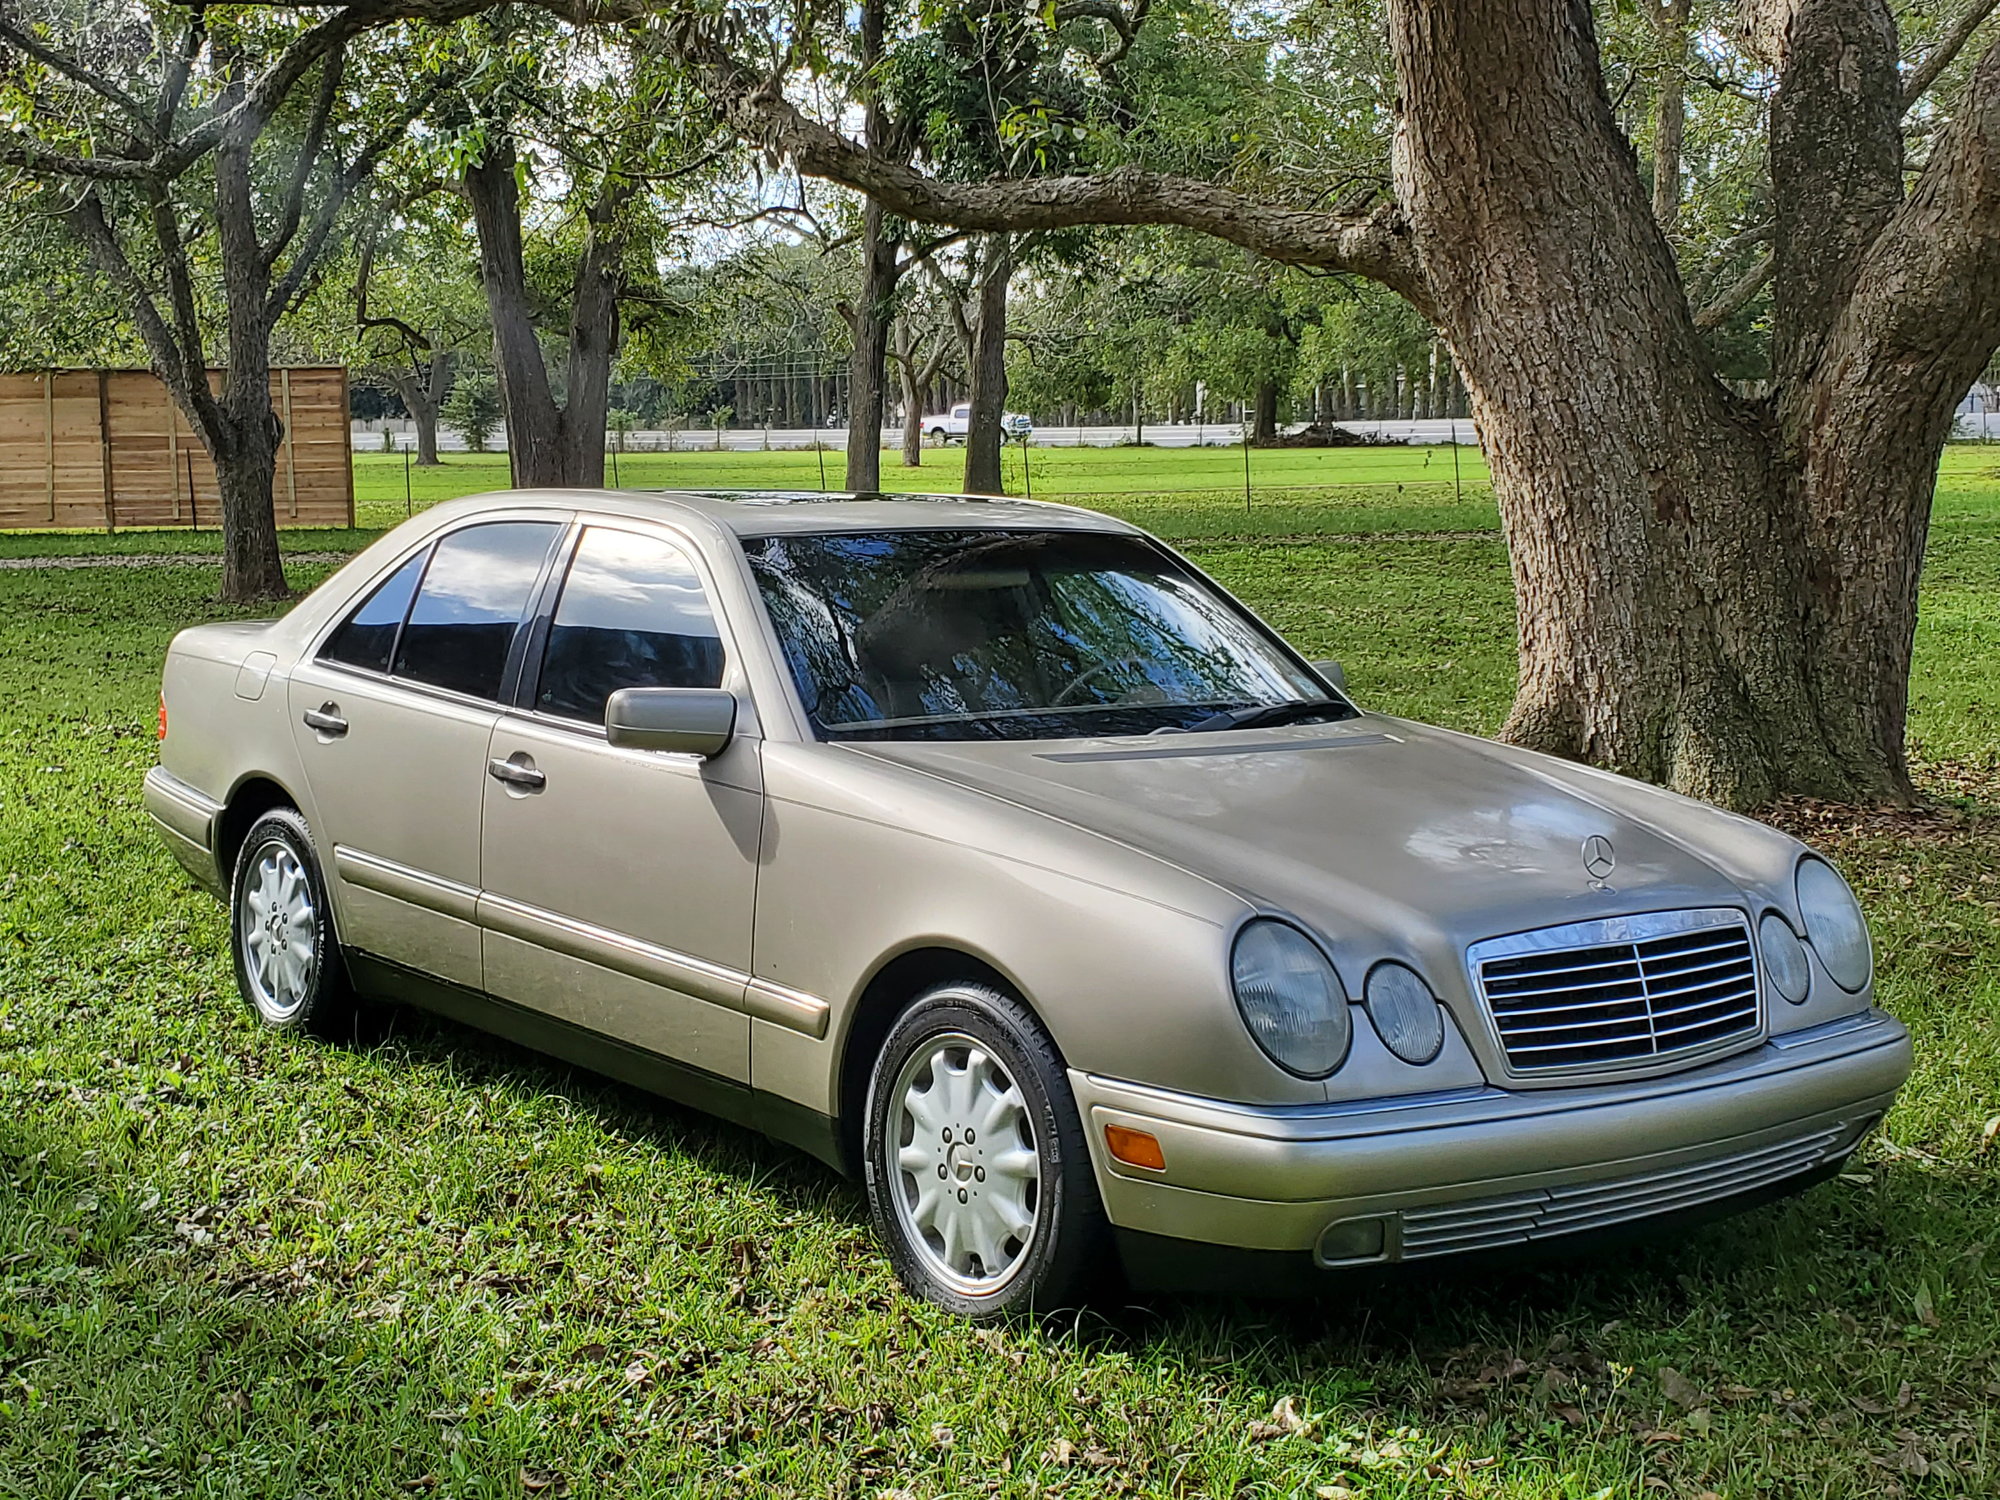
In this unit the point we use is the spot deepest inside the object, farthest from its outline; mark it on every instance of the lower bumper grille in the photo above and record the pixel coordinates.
(1517, 1218)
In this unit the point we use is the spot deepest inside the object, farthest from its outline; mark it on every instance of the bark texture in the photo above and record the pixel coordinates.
(867, 365)
(988, 367)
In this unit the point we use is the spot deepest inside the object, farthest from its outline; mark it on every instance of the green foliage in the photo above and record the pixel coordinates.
(473, 408)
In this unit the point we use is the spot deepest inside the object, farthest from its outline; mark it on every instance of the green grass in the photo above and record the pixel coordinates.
(233, 1264)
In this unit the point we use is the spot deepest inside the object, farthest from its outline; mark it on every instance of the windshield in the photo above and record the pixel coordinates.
(1015, 635)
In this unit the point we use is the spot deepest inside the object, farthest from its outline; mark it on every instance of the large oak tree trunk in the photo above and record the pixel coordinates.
(983, 437)
(1686, 614)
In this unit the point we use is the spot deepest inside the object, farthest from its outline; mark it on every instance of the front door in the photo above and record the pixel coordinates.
(392, 718)
(619, 884)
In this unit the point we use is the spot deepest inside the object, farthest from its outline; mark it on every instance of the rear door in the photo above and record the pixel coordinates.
(619, 884)
(392, 716)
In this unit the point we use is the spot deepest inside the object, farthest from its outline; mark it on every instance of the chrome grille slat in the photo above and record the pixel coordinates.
(1637, 990)
(1517, 1218)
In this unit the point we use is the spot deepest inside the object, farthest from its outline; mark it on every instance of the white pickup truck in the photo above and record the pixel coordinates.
(953, 424)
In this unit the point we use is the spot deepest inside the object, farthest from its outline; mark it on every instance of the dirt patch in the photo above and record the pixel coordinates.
(154, 560)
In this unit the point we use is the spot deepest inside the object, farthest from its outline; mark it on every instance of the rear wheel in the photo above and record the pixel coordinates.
(281, 931)
(978, 1177)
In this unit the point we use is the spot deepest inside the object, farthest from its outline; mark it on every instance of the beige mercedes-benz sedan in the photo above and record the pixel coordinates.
(992, 852)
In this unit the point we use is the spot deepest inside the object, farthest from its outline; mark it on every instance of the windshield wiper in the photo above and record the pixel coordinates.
(1265, 715)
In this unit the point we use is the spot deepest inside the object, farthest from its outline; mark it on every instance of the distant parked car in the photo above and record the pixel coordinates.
(991, 851)
(955, 423)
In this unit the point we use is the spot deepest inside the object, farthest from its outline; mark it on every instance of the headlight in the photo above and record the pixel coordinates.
(1405, 1012)
(1290, 998)
(1834, 925)
(1784, 958)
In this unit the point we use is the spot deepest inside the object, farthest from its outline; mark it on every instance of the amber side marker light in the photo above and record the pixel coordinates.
(1135, 1148)
(163, 716)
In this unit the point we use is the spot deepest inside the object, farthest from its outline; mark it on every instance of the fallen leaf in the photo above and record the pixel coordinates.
(1659, 1435)
(1061, 1453)
(1989, 1132)
(1570, 1415)
(942, 1435)
(1333, 1492)
(1678, 1389)
(1926, 1305)
(1285, 1419)
(543, 1483)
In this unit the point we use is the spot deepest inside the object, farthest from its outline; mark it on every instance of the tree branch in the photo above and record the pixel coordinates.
(332, 70)
(1919, 80)
(26, 41)
(1736, 297)
(184, 371)
(338, 192)
(1373, 244)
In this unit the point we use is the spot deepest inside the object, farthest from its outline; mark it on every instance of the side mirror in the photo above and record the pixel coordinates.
(688, 721)
(1332, 672)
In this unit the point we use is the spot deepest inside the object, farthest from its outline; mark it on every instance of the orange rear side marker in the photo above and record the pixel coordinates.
(163, 716)
(1135, 1148)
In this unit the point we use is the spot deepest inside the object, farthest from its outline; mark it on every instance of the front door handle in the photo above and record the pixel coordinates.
(518, 771)
(326, 719)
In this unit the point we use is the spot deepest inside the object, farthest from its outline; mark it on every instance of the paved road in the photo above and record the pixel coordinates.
(368, 436)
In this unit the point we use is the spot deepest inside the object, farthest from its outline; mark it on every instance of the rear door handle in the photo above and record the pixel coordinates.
(326, 719)
(519, 772)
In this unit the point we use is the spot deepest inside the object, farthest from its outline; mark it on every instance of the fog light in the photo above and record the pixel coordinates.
(1353, 1240)
(1135, 1148)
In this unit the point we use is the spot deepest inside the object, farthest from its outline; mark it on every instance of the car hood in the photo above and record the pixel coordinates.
(1410, 840)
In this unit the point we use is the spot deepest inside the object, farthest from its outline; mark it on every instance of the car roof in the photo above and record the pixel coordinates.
(773, 512)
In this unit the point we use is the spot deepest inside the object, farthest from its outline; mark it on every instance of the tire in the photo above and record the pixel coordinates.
(1002, 1138)
(281, 935)
(938, 435)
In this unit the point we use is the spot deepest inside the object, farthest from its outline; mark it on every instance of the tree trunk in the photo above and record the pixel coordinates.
(1264, 424)
(1680, 510)
(911, 373)
(549, 443)
(422, 399)
(983, 437)
(252, 567)
(1669, 19)
(866, 368)
(533, 420)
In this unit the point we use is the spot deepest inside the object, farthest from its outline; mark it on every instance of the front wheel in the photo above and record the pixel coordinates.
(978, 1176)
(281, 931)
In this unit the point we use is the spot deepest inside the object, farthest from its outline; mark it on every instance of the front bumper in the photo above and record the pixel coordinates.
(1475, 1169)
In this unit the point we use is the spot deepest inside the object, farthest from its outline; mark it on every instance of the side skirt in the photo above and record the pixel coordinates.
(781, 1119)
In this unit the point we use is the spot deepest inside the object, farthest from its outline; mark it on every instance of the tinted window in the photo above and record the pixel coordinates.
(632, 614)
(473, 595)
(1015, 635)
(366, 637)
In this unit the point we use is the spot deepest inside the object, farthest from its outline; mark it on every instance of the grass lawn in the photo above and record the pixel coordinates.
(237, 1265)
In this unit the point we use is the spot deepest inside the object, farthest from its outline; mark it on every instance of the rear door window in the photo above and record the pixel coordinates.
(470, 605)
(366, 637)
(633, 614)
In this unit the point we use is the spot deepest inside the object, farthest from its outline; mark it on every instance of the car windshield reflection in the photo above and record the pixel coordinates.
(977, 634)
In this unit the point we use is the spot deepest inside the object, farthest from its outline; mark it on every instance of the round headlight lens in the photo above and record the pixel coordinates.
(1406, 1014)
(1834, 924)
(1784, 958)
(1290, 998)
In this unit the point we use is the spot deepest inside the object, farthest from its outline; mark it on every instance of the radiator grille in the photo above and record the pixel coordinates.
(1488, 1223)
(1629, 991)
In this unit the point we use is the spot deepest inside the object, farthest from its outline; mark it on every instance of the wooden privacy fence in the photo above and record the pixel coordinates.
(101, 449)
